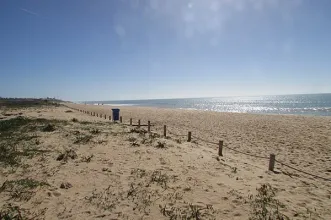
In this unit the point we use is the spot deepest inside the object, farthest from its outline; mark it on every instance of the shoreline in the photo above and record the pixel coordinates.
(199, 110)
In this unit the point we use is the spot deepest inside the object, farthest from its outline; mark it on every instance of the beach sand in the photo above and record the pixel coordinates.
(134, 175)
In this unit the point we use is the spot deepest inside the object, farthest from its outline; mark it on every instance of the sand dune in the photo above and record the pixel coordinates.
(136, 175)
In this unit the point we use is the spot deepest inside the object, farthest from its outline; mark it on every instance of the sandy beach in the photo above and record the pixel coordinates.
(121, 172)
(292, 138)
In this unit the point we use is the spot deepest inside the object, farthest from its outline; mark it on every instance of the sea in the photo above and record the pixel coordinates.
(305, 104)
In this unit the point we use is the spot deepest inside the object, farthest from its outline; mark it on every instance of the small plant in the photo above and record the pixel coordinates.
(25, 183)
(161, 145)
(138, 172)
(95, 131)
(106, 199)
(159, 178)
(195, 212)
(265, 206)
(86, 122)
(132, 139)
(192, 212)
(68, 154)
(135, 144)
(74, 120)
(144, 195)
(178, 141)
(87, 159)
(11, 125)
(146, 141)
(8, 155)
(83, 139)
(138, 130)
(9, 212)
(187, 189)
(48, 128)
(154, 135)
(21, 189)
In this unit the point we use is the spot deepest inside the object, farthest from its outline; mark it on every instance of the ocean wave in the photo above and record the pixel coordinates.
(113, 104)
(120, 104)
(193, 109)
(257, 109)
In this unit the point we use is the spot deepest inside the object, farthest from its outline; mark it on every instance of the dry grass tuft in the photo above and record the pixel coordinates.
(21, 189)
(265, 206)
(48, 128)
(161, 145)
(68, 154)
(74, 120)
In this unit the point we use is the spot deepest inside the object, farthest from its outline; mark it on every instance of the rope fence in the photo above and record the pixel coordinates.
(178, 135)
(203, 140)
(301, 171)
(166, 131)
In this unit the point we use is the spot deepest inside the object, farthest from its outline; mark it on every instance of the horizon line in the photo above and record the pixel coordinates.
(203, 97)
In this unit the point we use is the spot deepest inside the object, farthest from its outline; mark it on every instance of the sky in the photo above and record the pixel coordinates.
(82, 50)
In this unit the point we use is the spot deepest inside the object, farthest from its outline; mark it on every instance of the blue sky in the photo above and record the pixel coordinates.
(141, 49)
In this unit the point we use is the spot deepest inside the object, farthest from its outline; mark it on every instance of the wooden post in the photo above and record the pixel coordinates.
(220, 148)
(139, 123)
(272, 162)
(149, 126)
(121, 119)
(109, 118)
(189, 136)
(105, 116)
(165, 131)
(130, 121)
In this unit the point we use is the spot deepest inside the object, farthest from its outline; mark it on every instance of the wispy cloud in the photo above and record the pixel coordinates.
(29, 12)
